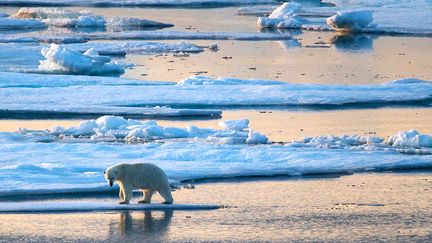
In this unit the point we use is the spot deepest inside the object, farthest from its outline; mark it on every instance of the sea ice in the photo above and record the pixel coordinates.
(390, 16)
(70, 92)
(44, 166)
(351, 20)
(135, 47)
(14, 24)
(283, 17)
(133, 3)
(411, 138)
(60, 17)
(117, 128)
(62, 60)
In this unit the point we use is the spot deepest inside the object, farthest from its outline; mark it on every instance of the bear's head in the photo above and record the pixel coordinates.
(111, 175)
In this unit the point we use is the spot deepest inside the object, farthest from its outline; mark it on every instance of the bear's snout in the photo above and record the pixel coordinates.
(111, 183)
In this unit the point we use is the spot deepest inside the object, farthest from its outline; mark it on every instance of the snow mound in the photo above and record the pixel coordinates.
(67, 18)
(411, 138)
(62, 60)
(351, 20)
(115, 128)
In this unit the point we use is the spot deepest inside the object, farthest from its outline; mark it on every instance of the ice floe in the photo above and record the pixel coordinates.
(11, 56)
(46, 207)
(40, 94)
(119, 129)
(28, 166)
(147, 35)
(389, 17)
(135, 47)
(63, 60)
(133, 3)
(14, 24)
(60, 17)
(352, 20)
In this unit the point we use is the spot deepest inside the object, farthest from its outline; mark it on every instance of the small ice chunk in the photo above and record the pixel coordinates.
(283, 17)
(256, 138)
(57, 130)
(236, 125)
(62, 60)
(351, 20)
(110, 122)
(87, 127)
(213, 47)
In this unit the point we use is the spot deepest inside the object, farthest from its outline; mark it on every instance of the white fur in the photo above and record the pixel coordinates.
(148, 178)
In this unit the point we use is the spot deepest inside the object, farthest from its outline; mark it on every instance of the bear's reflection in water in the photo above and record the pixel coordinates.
(145, 226)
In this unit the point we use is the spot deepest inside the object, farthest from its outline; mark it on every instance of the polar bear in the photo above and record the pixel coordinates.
(147, 177)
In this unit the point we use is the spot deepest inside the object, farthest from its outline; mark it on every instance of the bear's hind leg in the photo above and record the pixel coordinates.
(166, 194)
(147, 196)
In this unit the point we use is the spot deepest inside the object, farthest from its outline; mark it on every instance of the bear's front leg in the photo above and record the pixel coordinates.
(127, 193)
(147, 196)
(121, 194)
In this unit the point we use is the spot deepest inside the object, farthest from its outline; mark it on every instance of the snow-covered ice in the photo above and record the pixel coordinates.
(14, 24)
(147, 35)
(78, 167)
(119, 129)
(283, 17)
(135, 47)
(60, 17)
(11, 56)
(392, 17)
(133, 3)
(71, 93)
(63, 60)
(46, 207)
(351, 20)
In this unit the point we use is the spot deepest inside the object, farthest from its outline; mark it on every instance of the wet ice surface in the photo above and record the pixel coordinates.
(317, 209)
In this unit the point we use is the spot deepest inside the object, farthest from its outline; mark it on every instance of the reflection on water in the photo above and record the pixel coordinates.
(151, 226)
(351, 42)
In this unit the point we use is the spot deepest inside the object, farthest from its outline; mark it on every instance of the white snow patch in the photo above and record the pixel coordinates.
(62, 60)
